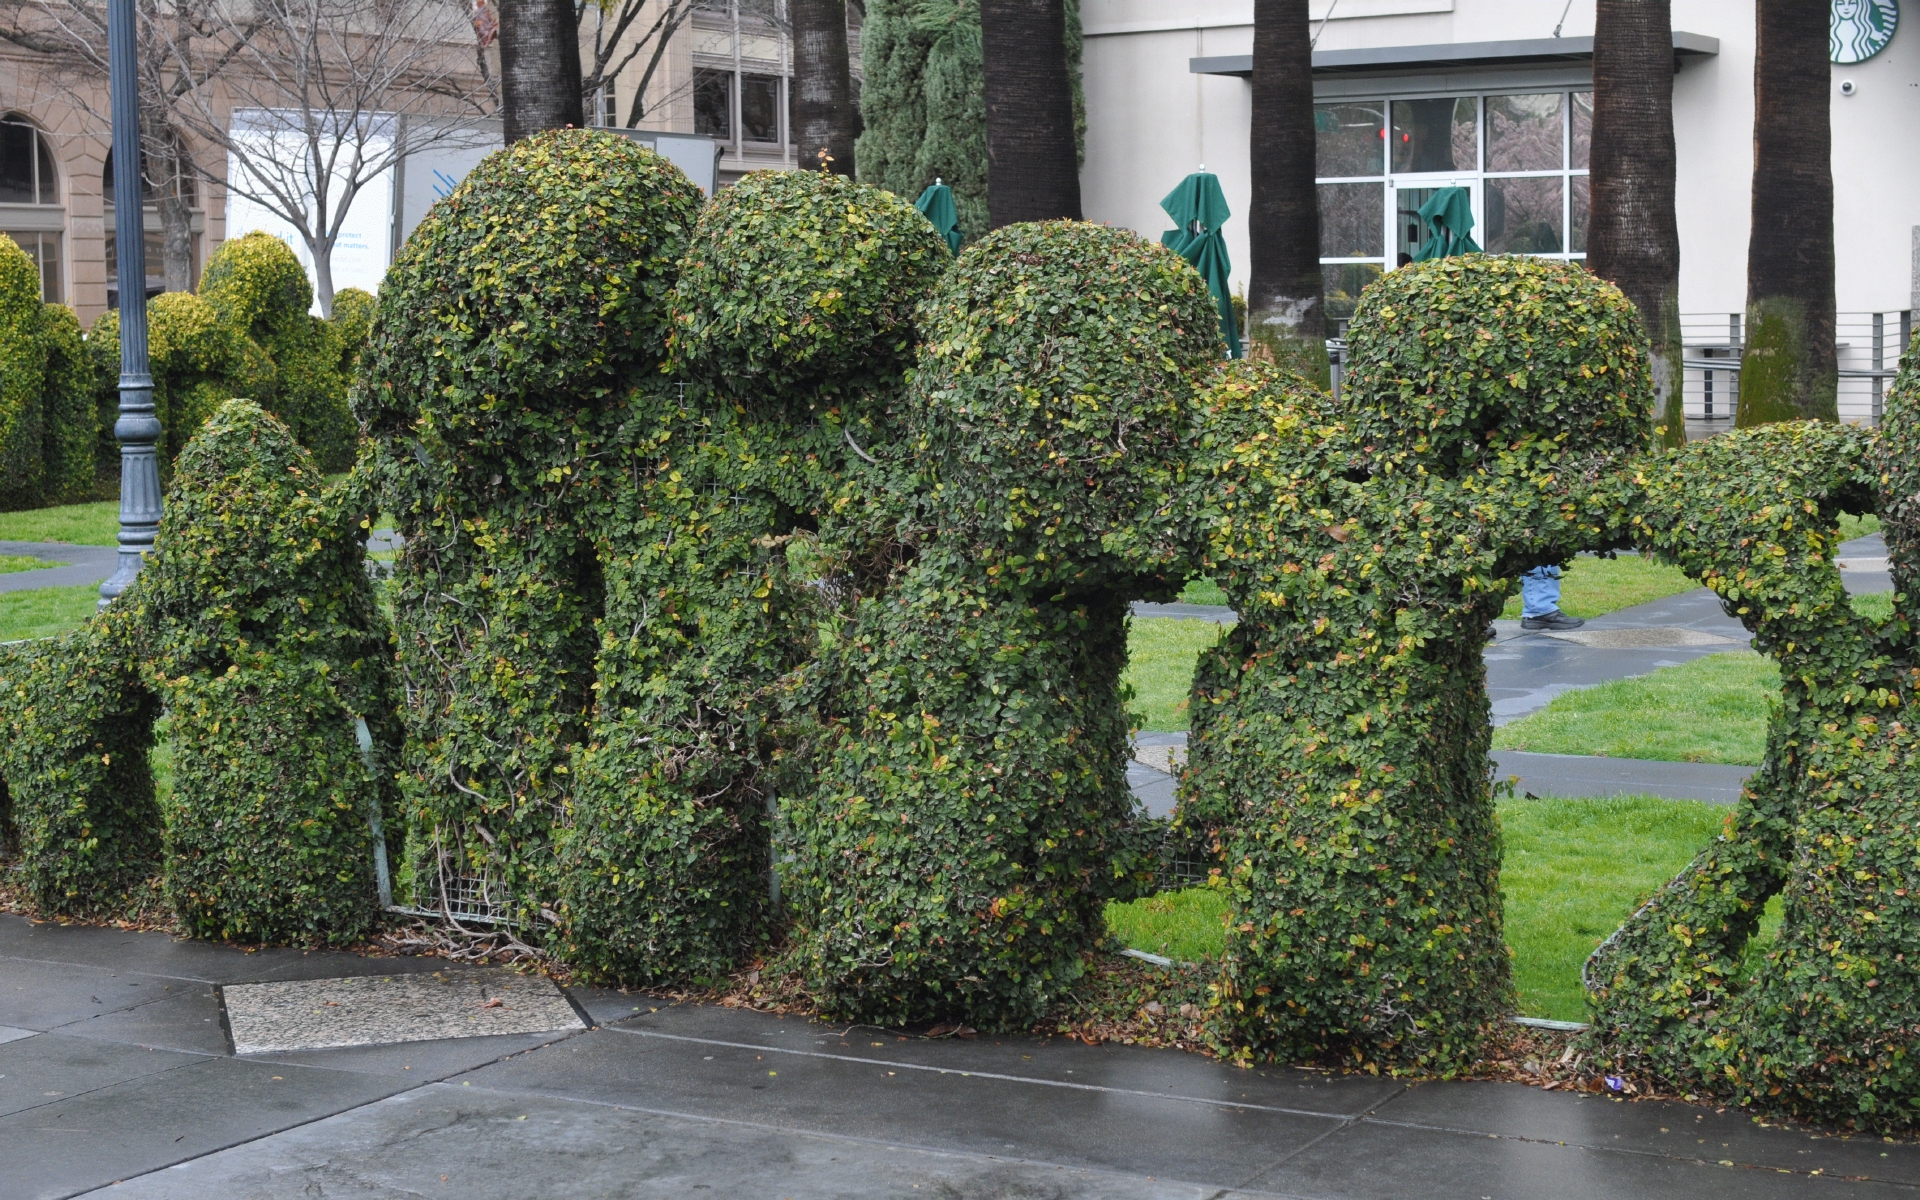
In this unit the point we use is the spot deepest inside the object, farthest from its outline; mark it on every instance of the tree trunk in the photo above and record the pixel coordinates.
(1286, 318)
(322, 278)
(1032, 172)
(1633, 236)
(825, 119)
(1789, 369)
(539, 67)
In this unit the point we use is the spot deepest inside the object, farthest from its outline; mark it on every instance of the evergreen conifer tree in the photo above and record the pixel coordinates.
(922, 101)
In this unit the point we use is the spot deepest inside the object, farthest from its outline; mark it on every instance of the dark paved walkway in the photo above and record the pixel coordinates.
(84, 564)
(119, 1070)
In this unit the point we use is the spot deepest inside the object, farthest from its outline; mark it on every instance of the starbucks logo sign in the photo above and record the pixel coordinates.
(1861, 28)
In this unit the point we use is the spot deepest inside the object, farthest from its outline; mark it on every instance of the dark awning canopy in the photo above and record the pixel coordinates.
(1449, 56)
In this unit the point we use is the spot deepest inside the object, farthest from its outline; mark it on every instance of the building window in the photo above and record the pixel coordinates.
(760, 108)
(1522, 157)
(26, 164)
(44, 249)
(30, 211)
(713, 104)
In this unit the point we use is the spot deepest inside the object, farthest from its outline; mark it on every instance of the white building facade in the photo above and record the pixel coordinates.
(1417, 94)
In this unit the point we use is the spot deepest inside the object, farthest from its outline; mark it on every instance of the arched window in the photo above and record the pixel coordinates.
(30, 198)
(26, 164)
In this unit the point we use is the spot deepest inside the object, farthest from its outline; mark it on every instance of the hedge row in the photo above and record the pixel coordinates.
(47, 383)
(246, 333)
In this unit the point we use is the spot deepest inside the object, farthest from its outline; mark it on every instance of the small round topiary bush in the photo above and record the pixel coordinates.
(802, 277)
(256, 284)
(1052, 397)
(1444, 355)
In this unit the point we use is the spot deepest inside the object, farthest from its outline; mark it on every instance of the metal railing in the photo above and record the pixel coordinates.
(1869, 346)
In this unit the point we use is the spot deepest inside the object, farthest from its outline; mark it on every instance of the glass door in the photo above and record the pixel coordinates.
(1407, 233)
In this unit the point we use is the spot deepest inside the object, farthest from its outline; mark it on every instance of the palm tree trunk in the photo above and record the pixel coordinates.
(539, 67)
(1032, 168)
(1286, 319)
(825, 118)
(1633, 236)
(1789, 369)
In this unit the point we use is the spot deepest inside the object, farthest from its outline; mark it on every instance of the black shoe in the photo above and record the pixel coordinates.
(1555, 620)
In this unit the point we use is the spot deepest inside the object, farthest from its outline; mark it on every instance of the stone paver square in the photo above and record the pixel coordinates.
(372, 1010)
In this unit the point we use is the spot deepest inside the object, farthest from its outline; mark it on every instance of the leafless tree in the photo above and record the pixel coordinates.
(623, 31)
(316, 99)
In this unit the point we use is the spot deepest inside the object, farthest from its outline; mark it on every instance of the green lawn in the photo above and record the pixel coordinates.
(1160, 660)
(1202, 591)
(9, 563)
(1852, 527)
(45, 612)
(1713, 709)
(95, 524)
(1594, 587)
(1574, 870)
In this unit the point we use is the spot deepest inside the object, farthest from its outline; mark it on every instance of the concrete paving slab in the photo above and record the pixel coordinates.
(1155, 790)
(187, 1017)
(1682, 1131)
(10, 1034)
(1588, 775)
(50, 1068)
(1369, 1160)
(42, 995)
(1057, 1062)
(371, 1010)
(518, 1147)
(1219, 614)
(418, 1062)
(1207, 1142)
(126, 950)
(157, 1120)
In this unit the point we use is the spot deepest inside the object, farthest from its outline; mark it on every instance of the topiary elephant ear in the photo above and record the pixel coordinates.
(543, 277)
(257, 284)
(1054, 394)
(1441, 354)
(797, 278)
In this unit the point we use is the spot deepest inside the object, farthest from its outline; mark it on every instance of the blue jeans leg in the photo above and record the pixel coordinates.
(1540, 592)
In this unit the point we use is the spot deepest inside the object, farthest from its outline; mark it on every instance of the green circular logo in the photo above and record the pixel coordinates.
(1861, 29)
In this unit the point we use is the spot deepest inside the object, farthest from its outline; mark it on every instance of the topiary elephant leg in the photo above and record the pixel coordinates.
(954, 856)
(1658, 984)
(79, 725)
(269, 837)
(1363, 872)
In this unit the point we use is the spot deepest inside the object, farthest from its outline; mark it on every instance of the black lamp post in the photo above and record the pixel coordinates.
(138, 427)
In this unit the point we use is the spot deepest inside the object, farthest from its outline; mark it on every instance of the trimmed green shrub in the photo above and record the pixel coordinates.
(23, 366)
(261, 293)
(802, 277)
(1442, 357)
(970, 814)
(493, 381)
(352, 324)
(79, 725)
(1825, 1027)
(71, 417)
(264, 641)
(1338, 750)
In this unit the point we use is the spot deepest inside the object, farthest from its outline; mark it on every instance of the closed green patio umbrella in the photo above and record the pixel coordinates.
(1449, 217)
(936, 204)
(1199, 208)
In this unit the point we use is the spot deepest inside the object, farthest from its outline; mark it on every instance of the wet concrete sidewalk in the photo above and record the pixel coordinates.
(120, 1076)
